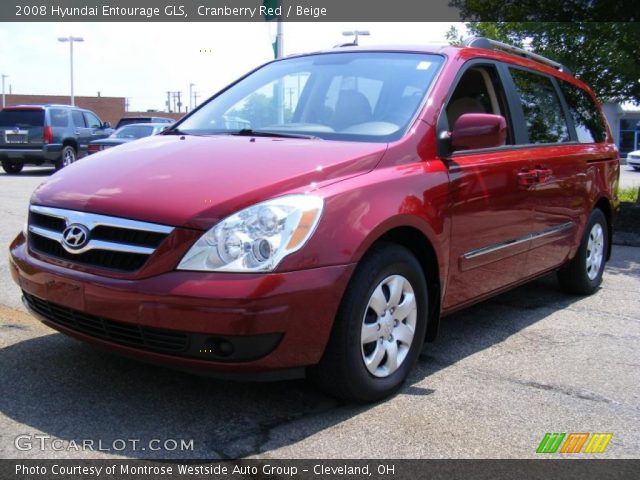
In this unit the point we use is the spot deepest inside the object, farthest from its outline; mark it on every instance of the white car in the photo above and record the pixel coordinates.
(633, 160)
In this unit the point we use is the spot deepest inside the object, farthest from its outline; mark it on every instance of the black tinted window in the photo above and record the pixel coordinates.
(59, 117)
(541, 107)
(589, 124)
(78, 119)
(22, 118)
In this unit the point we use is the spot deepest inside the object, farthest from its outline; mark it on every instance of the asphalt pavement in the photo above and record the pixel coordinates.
(501, 375)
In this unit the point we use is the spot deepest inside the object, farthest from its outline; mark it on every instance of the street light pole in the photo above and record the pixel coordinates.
(356, 34)
(3, 102)
(71, 40)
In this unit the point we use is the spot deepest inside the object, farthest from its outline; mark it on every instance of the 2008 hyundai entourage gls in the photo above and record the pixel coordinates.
(322, 213)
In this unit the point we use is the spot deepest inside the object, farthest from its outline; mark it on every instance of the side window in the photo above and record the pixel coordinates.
(587, 119)
(92, 120)
(59, 117)
(541, 107)
(478, 91)
(78, 119)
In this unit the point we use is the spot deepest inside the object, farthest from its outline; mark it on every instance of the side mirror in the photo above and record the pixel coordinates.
(106, 125)
(478, 130)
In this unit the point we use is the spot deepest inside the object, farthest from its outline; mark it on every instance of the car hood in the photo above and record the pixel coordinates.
(112, 141)
(194, 181)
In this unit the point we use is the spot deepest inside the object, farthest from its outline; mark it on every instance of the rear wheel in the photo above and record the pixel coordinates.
(12, 167)
(67, 157)
(583, 275)
(379, 329)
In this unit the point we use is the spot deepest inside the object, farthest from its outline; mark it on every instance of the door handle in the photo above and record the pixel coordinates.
(543, 174)
(526, 178)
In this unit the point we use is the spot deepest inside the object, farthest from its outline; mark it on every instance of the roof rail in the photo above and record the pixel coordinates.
(489, 44)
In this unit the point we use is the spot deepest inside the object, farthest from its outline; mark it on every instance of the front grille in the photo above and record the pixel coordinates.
(45, 221)
(132, 237)
(113, 243)
(138, 336)
(124, 262)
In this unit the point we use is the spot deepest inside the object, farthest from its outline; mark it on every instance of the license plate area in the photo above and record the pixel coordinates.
(16, 136)
(66, 293)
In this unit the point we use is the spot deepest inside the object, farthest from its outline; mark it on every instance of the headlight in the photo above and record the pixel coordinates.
(257, 238)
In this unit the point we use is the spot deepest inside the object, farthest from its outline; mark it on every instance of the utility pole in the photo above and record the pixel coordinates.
(3, 100)
(179, 101)
(168, 101)
(195, 99)
(191, 85)
(290, 89)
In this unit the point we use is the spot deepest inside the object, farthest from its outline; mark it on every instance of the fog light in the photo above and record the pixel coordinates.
(218, 347)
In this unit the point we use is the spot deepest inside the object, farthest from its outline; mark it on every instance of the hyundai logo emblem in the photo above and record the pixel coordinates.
(75, 236)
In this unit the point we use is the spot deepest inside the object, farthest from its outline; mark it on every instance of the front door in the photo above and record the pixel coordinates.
(491, 213)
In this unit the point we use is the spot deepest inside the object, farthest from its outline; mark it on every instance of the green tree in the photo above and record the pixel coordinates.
(260, 110)
(604, 55)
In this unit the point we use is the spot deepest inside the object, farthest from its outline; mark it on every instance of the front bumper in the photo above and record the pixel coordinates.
(276, 321)
(633, 161)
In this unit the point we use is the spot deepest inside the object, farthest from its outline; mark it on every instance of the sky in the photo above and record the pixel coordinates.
(142, 61)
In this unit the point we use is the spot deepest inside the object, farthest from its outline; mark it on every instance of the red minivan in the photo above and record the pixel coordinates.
(321, 214)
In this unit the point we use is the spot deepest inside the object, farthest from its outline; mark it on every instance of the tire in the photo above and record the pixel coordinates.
(342, 371)
(637, 169)
(583, 274)
(68, 156)
(12, 168)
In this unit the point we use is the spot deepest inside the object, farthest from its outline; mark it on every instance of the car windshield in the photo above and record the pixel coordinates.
(22, 118)
(133, 131)
(363, 96)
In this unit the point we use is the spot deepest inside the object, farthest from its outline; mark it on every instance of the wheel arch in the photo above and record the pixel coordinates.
(419, 244)
(70, 142)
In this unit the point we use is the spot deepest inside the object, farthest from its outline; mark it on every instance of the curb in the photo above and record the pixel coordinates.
(627, 239)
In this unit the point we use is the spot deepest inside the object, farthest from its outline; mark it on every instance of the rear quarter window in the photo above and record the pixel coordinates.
(588, 121)
(59, 117)
(78, 119)
(543, 114)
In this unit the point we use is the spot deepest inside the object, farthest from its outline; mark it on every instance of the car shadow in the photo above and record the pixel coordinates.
(68, 390)
(31, 172)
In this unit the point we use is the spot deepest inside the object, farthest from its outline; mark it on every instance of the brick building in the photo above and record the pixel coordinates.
(109, 109)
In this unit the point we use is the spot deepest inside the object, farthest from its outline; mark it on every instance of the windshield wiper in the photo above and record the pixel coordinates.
(173, 131)
(249, 132)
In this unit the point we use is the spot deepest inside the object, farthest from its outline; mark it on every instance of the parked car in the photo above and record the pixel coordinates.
(329, 238)
(633, 160)
(40, 134)
(129, 120)
(126, 134)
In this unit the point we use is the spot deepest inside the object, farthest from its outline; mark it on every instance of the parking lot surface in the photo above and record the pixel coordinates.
(501, 375)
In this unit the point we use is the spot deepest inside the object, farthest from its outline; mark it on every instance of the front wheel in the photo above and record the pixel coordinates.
(12, 167)
(67, 157)
(379, 329)
(583, 275)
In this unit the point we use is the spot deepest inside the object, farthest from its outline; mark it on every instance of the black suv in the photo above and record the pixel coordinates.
(38, 134)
